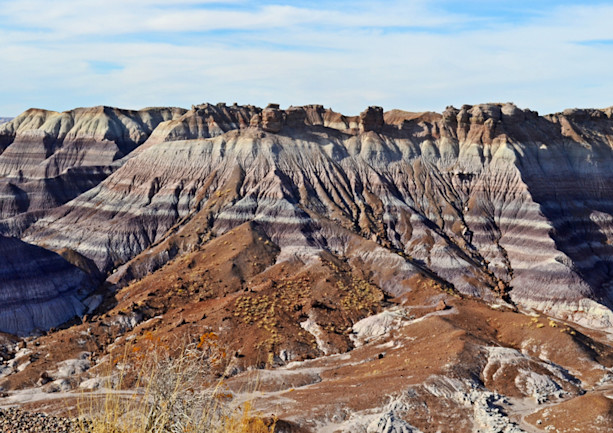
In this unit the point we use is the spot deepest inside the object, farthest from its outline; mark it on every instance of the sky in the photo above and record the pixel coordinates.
(414, 55)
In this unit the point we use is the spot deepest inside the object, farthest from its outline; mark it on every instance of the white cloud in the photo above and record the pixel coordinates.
(396, 54)
(72, 18)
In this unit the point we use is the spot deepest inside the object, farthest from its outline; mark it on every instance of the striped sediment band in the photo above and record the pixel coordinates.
(39, 288)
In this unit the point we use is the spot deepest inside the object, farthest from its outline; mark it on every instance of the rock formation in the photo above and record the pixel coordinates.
(443, 263)
(48, 158)
(371, 119)
(496, 201)
(272, 118)
(39, 289)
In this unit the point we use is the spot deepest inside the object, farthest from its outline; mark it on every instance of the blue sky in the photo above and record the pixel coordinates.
(414, 55)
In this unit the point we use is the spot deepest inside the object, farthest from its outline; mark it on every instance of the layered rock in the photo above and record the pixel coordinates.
(205, 121)
(38, 288)
(48, 158)
(371, 119)
(495, 201)
(272, 118)
(44, 144)
(302, 232)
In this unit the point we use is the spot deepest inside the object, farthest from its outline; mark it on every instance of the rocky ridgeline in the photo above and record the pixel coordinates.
(208, 120)
(42, 144)
(273, 119)
(48, 158)
(13, 420)
(303, 232)
(492, 200)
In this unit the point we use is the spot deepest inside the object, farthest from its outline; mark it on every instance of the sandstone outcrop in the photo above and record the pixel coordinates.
(272, 118)
(371, 119)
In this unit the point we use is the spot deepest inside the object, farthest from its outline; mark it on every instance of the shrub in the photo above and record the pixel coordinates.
(170, 394)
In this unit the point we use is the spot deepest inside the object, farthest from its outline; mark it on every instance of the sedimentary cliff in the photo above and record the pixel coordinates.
(495, 200)
(444, 263)
(39, 289)
(48, 158)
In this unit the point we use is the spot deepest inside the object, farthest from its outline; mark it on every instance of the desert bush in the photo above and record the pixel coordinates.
(171, 393)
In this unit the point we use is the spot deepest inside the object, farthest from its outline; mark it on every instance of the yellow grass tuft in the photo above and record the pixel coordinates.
(168, 394)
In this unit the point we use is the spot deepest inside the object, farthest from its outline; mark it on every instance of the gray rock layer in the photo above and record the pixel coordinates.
(38, 288)
(48, 158)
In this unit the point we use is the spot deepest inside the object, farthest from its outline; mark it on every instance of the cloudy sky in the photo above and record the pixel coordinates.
(414, 54)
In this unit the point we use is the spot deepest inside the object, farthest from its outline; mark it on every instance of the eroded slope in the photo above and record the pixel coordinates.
(39, 289)
(493, 200)
(382, 268)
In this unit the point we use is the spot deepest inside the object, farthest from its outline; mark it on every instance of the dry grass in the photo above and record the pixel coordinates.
(168, 394)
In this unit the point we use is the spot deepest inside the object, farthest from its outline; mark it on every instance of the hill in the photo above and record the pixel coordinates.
(454, 268)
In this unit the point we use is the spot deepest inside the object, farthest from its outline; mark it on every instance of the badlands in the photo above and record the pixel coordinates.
(386, 272)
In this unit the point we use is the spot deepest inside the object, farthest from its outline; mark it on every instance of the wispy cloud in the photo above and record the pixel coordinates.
(414, 54)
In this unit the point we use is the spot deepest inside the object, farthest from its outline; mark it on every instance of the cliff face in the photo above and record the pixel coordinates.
(48, 158)
(38, 288)
(302, 232)
(496, 201)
